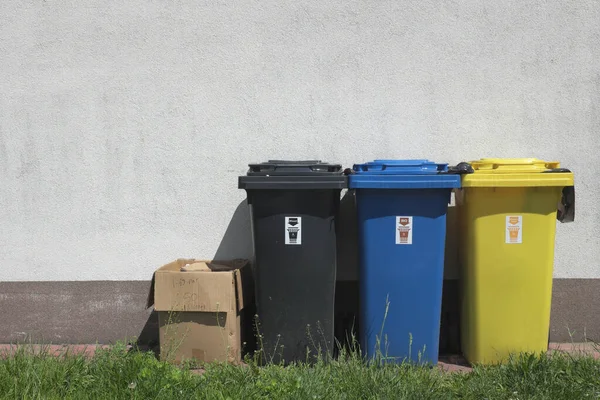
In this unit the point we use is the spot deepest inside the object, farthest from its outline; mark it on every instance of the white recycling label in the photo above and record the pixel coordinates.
(293, 230)
(514, 229)
(404, 228)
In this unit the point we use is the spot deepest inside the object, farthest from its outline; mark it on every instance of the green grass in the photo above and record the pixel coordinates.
(120, 374)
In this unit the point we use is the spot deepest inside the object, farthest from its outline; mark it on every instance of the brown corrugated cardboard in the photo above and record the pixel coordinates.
(201, 312)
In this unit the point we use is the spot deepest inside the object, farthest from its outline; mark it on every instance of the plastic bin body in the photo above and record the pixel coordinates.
(295, 265)
(401, 277)
(508, 222)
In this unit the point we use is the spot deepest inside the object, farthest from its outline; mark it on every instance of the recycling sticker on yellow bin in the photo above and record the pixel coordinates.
(514, 229)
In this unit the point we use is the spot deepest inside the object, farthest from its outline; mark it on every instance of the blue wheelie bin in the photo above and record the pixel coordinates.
(402, 207)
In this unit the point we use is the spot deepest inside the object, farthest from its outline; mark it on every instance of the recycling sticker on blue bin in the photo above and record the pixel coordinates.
(404, 229)
(293, 230)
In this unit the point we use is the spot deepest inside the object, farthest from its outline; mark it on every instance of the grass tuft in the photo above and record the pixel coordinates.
(30, 372)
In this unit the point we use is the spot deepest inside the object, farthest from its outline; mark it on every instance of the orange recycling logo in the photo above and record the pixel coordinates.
(513, 233)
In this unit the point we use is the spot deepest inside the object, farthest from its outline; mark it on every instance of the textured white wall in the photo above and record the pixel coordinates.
(124, 125)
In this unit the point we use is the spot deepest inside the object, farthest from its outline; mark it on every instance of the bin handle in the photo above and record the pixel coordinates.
(461, 169)
(557, 171)
(566, 206)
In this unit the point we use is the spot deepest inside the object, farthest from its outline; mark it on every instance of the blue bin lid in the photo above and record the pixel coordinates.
(400, 167)
(402, 174)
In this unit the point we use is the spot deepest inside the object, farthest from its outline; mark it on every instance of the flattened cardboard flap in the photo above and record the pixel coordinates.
(206, 291)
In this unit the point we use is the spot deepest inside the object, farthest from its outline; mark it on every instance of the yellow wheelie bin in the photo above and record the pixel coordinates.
(507, 210)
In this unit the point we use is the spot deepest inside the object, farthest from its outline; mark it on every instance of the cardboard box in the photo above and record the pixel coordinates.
(202, 313)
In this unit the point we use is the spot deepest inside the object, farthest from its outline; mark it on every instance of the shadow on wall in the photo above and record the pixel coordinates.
(347, 239)
(237, 243)
(148, 338)
(346, 290)
(450, 321)
(237, 240)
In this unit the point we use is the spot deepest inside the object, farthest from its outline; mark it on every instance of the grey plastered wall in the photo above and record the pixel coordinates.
(124, 126)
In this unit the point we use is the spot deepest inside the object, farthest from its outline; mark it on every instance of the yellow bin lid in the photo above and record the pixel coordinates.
(516, 172)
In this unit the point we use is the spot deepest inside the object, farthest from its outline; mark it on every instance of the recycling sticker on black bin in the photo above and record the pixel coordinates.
(293, 230)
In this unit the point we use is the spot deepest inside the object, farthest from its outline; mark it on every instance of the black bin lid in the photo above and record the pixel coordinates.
(294, 168)
(284, 174)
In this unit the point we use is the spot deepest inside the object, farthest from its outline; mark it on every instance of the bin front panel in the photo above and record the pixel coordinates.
(507, 256)
(401, 282)
(295, 282)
